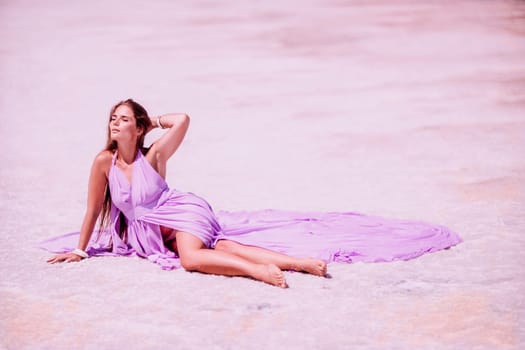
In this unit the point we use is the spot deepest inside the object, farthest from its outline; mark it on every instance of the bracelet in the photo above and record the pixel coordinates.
(159, 124)
(80, 253)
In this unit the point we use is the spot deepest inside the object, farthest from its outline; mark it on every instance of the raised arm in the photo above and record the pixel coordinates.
(162, 149)
(96, 191)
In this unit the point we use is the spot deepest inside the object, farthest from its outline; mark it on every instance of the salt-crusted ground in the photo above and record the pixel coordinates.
(406, 109)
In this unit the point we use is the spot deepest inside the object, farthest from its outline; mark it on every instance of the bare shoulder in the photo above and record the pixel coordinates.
(104, 156)
(102, 161)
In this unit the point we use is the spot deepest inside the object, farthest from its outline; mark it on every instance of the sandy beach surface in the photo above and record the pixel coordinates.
(407, 109)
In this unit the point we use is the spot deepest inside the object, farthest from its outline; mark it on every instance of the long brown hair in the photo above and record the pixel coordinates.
(143, 122)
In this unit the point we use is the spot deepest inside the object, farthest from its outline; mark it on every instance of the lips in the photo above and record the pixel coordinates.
(115, 130)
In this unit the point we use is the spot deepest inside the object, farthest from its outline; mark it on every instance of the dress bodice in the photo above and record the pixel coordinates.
(142, 194)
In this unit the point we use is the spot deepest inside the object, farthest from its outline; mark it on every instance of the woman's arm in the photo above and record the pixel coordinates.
(162, 149)
(96, 191)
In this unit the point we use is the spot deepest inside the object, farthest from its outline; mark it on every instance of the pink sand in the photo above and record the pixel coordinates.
(431, 93)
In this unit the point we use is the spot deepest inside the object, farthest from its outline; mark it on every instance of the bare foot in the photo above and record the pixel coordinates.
(313, 266)
(271, 274)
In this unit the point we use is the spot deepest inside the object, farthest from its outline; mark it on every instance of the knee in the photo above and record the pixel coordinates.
(190, 262)
(226, 246)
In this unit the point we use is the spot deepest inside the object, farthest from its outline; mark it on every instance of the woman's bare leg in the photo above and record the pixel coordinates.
(264, 256)
(195, 257)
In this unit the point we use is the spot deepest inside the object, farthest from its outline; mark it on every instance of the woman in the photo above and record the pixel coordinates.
(140, 215)
(128, 125)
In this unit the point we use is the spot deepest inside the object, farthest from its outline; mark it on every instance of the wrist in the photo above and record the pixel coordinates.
(80, 253)
(159, 122)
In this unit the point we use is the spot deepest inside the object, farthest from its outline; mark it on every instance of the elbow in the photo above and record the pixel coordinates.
(185, 119)
(177, 120)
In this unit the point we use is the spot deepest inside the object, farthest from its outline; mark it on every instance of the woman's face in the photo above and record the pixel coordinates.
(123, 125)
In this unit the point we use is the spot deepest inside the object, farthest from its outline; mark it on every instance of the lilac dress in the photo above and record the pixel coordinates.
(148, 203)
